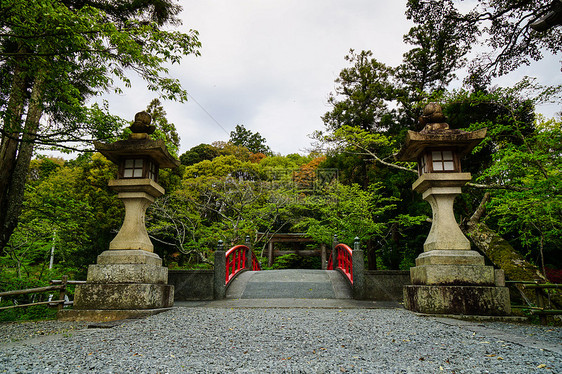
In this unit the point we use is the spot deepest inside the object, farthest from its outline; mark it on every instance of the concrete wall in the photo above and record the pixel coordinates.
(192, 284)
(385, 285)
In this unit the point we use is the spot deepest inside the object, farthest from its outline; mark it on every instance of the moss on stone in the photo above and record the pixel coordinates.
(505, 257)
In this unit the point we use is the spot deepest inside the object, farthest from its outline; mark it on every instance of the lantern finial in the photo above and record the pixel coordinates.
(142, 124)
(433, 118)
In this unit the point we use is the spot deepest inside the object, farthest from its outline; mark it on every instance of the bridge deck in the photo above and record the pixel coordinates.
(292, 283)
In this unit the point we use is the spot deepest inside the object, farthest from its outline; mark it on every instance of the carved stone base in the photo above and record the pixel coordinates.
(465, 300)
(453, 275)
(123, 296)
(456, 282)
(449, 257)
(99, 315)
(129, 256)
(123, 284)
(127, 273)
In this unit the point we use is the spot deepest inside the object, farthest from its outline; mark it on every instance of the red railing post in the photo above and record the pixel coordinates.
(255, 263)
(236, 261)
(344, 261)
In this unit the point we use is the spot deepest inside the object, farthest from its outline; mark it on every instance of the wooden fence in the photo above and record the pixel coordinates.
(541, 306)
(56, 285)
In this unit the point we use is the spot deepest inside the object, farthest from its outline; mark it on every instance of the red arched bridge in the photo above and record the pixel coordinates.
(238, 275)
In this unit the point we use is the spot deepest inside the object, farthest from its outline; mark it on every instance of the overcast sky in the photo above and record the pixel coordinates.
(270, 65)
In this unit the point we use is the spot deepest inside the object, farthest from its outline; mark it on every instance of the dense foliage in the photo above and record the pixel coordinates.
(507, 33)
(54, 56)
(374, 104)
(350, 186)
(246, 138)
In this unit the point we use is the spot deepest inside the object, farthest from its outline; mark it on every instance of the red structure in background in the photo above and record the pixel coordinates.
(236, 258)
(344, 261)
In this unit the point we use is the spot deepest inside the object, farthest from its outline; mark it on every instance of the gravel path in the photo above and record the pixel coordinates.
(24, 331)
(286, 340)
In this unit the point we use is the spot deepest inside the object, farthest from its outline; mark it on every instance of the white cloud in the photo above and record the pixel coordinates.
(270, 65)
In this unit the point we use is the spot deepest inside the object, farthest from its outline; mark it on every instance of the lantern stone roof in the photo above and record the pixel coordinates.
(437, 134)
(462, 142)
(138, 146)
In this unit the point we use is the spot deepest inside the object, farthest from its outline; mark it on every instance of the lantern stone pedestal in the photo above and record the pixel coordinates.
(136, 195)
(449, 277)
(128, 280)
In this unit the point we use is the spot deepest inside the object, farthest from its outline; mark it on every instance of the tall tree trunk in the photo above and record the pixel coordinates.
(371, 255)
(500, 252)
(9, 147)
(13, 198)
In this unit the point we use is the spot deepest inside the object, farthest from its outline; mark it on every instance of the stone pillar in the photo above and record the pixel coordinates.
(445, 233)
(358, 265)
(137, 197)
(220, 272)
(129, 279)
(449, 277)
(323, 256)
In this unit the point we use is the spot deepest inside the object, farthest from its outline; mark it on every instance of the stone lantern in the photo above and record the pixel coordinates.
(449, 277)
(129, 279)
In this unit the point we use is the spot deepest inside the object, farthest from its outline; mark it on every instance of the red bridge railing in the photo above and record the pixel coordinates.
(344, 261)
(236, 260)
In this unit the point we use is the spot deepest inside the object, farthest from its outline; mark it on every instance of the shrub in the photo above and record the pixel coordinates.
(293, 261)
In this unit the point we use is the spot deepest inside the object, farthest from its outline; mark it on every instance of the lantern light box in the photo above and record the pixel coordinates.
(138, 167)
(439, 161)
(439, 151)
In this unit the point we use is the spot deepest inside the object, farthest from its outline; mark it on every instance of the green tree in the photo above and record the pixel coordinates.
(228, 198)
(175, 226)
(224, 198)
(165, 130)
(54, 55)
(289, 162)
(345, 147)
(348, 211)
(363, 94)
(505, 29)
(246, 138)
(439, 49)
(526, 161)
(199, 153)
(54, 215)
(95, 172)
(240, 152)
(71, 207)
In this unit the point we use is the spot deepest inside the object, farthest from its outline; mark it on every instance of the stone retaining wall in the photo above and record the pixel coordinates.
(385, 285)
(192, 284)
(380, 285)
